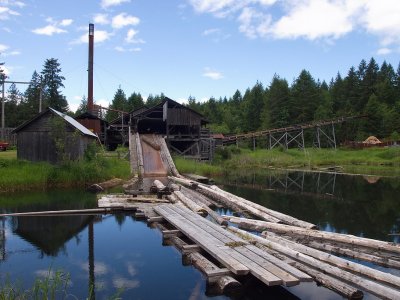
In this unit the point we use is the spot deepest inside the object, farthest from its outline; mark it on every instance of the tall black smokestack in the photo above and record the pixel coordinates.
(90, 69)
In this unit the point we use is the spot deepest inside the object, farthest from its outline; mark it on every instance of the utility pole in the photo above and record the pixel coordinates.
(3, 77)
(40, 94)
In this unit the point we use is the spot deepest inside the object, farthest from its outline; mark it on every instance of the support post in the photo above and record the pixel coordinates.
(254, 144)
(333, 135)
(318, 138)
(2, 110)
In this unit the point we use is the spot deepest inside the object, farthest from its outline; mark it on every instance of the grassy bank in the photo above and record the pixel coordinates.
(18, 175)
(374, 161)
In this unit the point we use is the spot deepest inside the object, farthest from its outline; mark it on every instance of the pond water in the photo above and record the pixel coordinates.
(116, 253)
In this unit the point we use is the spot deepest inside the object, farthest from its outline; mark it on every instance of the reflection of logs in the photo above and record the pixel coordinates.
(221, 277)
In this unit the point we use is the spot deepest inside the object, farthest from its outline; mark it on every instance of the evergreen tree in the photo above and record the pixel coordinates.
(304, 99)
(279, 96)
(135, 101)
(385, 86)
(30, 103)
(119, 103)
(11, 106)
(254, 104)
(154, 100)
(53, 81)
(82, 108)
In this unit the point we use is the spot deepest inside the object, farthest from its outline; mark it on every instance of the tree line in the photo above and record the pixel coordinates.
(369, 89)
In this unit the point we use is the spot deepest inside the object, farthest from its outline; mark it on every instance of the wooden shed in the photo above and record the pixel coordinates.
(183, 128)
(52, 136)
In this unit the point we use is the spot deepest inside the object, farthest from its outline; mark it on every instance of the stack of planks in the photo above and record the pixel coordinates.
(234, 253)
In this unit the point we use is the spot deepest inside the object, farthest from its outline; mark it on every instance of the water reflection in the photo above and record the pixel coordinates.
(335, 202)
(105, 253)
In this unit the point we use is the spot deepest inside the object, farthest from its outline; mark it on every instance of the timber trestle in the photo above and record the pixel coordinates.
(294, 136)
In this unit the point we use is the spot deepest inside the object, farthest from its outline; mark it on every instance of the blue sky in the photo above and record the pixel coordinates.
(201, 48)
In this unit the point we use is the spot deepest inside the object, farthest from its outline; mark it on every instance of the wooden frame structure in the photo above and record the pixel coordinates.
(294, 135)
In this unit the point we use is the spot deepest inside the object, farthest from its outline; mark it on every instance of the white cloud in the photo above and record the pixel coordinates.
(211, 31)
(122, 49)
(381, 18)
(384, 51)
(315, 19)
(3, 47)
(12, 53)
(48, 30)
(66, 22)
(108, 3)
(53, 27)
(6, 12)
(99, 37)
(123, 19)
(212, 74)
(101, 19)
(124, 283)
(131, 37)
(309, 19)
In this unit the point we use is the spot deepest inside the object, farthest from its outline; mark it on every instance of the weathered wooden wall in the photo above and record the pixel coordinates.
(35, 143)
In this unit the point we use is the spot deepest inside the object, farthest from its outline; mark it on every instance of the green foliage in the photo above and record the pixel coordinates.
(52, 82)
(196, 167)
(18, 175)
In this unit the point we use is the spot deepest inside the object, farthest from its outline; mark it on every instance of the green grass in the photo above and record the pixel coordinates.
(196, 167)
(16, 175)
(374, 161)
(9, 154)
(365, 161)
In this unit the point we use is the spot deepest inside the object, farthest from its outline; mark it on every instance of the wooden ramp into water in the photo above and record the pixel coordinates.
(234, 253)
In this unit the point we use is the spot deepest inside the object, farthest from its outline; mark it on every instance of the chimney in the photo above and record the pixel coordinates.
(90, 69)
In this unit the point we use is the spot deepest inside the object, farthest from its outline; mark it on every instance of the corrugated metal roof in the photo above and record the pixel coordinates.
(74, 123)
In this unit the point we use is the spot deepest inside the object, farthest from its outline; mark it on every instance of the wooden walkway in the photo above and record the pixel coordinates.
(234, 253)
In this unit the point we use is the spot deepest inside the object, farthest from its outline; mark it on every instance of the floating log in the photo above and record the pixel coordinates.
(366, 284)
(175, 187)
(63, 212)
(99, 187)
(331, 283)
(340, 249)
(198, 178)
(322, 235)
(280, 216)
(197, 197)
(190, 204)
(172, 198)
(337, 261)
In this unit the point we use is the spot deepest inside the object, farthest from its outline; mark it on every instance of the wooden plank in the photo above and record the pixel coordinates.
(253, 258)
(281, 264)
(190, 249)
(205, 241)
(287, 278)
(207, 225)
(256, 270)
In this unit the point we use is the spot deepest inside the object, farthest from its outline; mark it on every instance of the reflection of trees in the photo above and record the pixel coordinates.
(358, 207)
(48, 233)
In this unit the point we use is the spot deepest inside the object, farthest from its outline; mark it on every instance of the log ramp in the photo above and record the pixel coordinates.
(287, 251)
